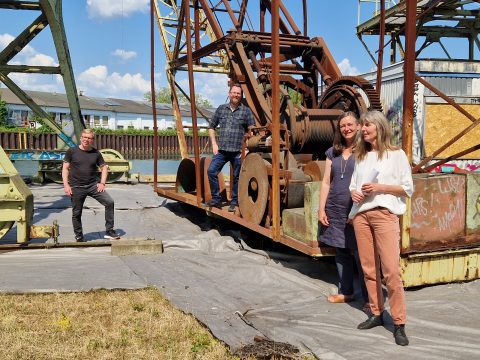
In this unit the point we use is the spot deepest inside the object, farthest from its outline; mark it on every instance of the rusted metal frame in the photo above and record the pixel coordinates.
(178, 36)
(243, 9)
(30, 69)
(193, 108)
(283, 26)
(359, 35)
(197, 28)
(152, 86)
(246, 71)
(20, 5)
(380, 47)
(325, 77)
(408, 100)
(305, 20)
(177, 115)
(236, 75)
(211, 18)
(232, 16)
(455, 138)
(263, 9)
(289, 18)
(452, 157)
(403, 27)
(202, 52)
(299, 86)
(23, 39)
(327, 60)
(188, 99)
(276, 216)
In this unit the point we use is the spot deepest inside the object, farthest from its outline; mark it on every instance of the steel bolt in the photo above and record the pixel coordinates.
(16, 197)
(19, 208)
(10, 188)
(19, 218)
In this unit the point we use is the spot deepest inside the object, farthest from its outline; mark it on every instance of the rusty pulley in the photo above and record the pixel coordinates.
(253, 187)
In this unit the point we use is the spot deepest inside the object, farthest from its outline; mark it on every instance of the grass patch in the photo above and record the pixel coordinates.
(136, 324)
(101, 324)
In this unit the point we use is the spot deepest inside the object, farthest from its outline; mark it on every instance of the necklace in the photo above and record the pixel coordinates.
(343, 168)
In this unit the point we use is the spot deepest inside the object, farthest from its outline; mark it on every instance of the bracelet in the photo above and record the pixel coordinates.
(102, 184)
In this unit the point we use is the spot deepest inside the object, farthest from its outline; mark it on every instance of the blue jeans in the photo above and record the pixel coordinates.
(343, 258)
(214, 169)
(79, 194)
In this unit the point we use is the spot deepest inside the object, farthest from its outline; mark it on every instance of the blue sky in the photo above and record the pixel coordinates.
(109, 42)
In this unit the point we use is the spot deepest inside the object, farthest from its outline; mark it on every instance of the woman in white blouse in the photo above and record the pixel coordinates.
(375, 212)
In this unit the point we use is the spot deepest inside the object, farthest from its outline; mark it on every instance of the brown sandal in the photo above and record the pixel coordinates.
(336, 299)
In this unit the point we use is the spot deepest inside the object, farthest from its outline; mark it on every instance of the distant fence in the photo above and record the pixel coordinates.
(124, 144)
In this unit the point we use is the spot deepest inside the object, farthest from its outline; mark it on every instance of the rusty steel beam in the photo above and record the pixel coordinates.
(283, 26)
(289, 18)
(380, 47)
(188, 99)
(211, 18)
(275, 82)
(232, 16)
(452, 140)
(152, 89)
(243, 9)
(453, 157)
(246, 71)
(199, 54)
(191, 84)
(178, 37)
(305, 21)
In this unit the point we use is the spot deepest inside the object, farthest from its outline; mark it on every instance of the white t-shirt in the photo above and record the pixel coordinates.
(394, 169)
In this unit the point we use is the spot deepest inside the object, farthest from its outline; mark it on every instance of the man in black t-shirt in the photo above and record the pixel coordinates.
(79, 181)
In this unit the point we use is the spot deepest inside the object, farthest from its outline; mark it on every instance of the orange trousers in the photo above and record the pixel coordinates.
(378, 240)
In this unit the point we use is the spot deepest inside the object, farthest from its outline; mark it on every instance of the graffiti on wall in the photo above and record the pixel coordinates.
(457, 167)
(36, 155)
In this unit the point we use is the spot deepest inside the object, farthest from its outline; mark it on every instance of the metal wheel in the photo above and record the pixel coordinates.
(253, 187)
(5, 227)
(343, 95)
(110, 154)
(288, 114)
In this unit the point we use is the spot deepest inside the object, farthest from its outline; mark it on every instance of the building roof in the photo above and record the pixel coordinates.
(48, 99)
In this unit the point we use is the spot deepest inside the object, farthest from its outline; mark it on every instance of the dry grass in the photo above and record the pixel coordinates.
(133, 324)
(102, 325)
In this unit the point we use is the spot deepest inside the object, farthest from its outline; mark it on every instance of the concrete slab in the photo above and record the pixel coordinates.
(139, 246)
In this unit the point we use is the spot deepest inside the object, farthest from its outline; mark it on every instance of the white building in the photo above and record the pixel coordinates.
(99, 112)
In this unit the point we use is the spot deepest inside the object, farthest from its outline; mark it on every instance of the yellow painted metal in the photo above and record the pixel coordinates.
(16, 201)
(440, 267)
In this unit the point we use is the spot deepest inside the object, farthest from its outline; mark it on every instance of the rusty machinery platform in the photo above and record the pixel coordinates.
(296, 92)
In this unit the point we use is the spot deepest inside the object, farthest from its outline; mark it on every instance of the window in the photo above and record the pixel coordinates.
(87, 120)
(105, 120)
(119, 127)
(15, 117)
(96, 120)
(146, 128)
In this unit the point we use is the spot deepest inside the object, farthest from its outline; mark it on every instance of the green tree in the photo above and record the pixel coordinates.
(163, 95)
(3, 112)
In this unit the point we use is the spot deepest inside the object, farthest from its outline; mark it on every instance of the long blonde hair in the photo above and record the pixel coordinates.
(384, 136)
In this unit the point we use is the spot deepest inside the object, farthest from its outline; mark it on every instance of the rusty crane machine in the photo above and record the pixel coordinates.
(284, 166)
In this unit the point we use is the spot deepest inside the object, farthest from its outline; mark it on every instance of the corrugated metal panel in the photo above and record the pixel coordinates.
(450, 86)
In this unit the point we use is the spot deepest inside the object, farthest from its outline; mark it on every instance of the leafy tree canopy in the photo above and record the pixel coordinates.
(163, 95)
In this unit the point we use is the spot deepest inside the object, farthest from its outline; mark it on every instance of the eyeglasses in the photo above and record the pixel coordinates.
(236, 94)
(87, 138)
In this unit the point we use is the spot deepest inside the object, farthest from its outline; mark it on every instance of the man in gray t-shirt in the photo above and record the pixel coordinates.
(79, 181)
